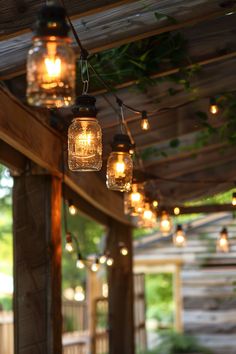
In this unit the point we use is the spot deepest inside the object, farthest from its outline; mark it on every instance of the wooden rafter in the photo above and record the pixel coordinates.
(203, 209)
(22, 129)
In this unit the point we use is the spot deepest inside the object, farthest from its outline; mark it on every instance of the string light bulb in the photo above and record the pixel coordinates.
(214, 109)
(222, 244)
(69, 243)
(110, 261)
(147, 218)
(123, 249)
(179, 237)
(176, 210)
(51, 61)
(144, 121)
(95, 265)
(85, 137)
(155, 203)
(120, 165)
(234, 199)
(102, 259)
(134, 200)
(80, 263)
(72, 208)
(165, 223)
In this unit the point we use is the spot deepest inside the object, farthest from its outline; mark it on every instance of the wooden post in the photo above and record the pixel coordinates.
(37, 265)
(121, 294)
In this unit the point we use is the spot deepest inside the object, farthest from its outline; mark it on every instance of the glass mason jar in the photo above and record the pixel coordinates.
(147, 219)
(134, 200)
(51, 72)
(119, 171)
(85, 145)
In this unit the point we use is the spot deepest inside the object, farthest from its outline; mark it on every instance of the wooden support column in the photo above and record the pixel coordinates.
(37, 264)
(121, 294)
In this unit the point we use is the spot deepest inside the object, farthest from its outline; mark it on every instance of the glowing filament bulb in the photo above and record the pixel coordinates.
(179, 238)
(120, 169)
(147, 214)
(110, 261)
(176, 211)
(214, 109)
(155, 203)
(165, 223)
(234, 199)
(80, 264)
(72, 209)
(95, 267)
(124, 251)
(144, 121)
(223, 241)
(102, 259)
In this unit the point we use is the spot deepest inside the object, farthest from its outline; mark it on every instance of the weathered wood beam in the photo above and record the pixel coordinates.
(19, 18)
(37, 264)
(121, 292)
(26, 133)
(11, 158)
(203, 209)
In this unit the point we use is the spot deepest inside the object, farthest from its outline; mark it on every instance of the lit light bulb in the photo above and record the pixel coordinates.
(50, 60)
(222, 244)
(85, 137)
(147, 219)
(214, 109)
(102, 259)
(234, 199)
(95, 266)
(134, 200)
(124, 251)
(179, 238)
(110, 261)
(176, 210)
(144, 121)
(69, 244)
(72, 208)
(80, 263)
(79, 294)
(120, 165)
(155, 203)
(165, 223)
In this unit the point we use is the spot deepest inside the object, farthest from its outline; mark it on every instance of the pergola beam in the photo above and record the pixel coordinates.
(203, 209)
(23, 130)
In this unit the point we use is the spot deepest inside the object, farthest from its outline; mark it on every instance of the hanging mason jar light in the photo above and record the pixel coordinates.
(222, 244)
(51, 61)
(147, 219)
(134, 200)
(85, 137)
(179, 237)
(165, 223)
(120, 165)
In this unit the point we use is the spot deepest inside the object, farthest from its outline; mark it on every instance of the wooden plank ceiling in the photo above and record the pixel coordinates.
(181, 174)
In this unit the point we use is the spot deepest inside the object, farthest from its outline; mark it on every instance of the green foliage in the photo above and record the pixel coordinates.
(174, 343)
(159, 297)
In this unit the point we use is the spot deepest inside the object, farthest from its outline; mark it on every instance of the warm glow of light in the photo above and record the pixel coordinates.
(80, 264)
(94, 267)
(79, 294)
(72, 209)
(234, 199)
(179, 238)
(176, 211)
(155, 203)
(145, 124)
(53, 64)
(119, 168)
(124, 251)
(110, 261)
(214, 109)
(165, 223)
(148, 214)
(223, 242)
(102, 259)
(69, 247)
(135, 197)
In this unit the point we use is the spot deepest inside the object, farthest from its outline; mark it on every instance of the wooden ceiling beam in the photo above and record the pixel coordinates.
(23, 130)
(20, 19)
(203, 209)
